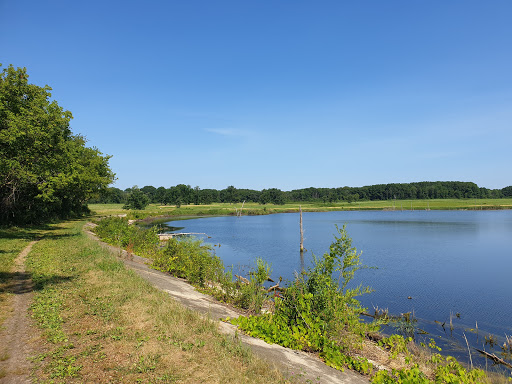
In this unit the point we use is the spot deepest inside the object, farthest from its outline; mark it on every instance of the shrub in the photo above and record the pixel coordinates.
(318, 312)
(190, 259)
(253, 295)
(117, 231)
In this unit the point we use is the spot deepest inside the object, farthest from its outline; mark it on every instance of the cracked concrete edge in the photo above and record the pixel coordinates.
(297, 364)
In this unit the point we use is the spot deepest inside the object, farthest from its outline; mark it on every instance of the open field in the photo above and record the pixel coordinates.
(259, 209)
(102, 323)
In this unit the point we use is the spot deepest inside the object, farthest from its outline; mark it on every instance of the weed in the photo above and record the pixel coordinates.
(63, 365)
(235, 346)
(91, 350)
(491, 340)
(396, 344)
(140, 340)
(147, 364)
(46, 310)
(253, 295)
(190, 259)
(117, 333)
(405, 324)
(300, 377)
(169, 378)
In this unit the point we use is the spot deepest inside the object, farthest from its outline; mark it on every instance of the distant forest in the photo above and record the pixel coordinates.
(184, 194)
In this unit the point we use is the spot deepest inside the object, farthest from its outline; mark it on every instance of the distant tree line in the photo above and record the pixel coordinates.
(182, 194)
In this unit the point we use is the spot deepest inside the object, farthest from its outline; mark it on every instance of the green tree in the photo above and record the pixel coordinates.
(208, 196)
(160, 195)
(229, 195)
(272, 195)
(197, 195)
(150, 191)
(111, 195)
(507, 191)
(45, 170)
(136, 199)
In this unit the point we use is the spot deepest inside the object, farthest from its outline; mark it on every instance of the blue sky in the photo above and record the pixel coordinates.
(285, 94)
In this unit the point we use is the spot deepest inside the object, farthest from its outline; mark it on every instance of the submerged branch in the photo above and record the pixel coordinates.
(494, 358)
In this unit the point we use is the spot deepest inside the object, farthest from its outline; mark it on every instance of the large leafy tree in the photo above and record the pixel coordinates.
(46, 171)
(136, 199)
(272, 195)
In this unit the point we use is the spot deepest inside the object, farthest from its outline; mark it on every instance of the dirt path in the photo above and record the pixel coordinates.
(16, 333)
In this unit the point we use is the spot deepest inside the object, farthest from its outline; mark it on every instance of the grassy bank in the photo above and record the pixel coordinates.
(315, 312)
(259, 209)
(102, 323)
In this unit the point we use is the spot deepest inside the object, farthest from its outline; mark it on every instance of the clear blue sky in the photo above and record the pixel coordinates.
(285, 94)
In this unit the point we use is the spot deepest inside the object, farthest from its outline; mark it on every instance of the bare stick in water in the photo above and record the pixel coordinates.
(301, 231)
(469, 350)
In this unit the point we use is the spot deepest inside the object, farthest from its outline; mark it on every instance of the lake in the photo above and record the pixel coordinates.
(434, 264)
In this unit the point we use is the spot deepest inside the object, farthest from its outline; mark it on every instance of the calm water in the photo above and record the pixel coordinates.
(457, 262)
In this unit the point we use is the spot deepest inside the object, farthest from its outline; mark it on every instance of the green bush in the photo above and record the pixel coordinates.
(318, 312)
(252, 296)
(190, 259)
(115, 231)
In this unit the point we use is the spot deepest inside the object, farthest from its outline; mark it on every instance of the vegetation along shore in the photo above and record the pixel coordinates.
(312, 313)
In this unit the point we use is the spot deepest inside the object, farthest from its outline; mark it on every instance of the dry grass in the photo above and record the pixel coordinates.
(4, 355)
(116, 328)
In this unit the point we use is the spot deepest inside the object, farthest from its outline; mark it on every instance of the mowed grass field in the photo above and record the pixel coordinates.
(101, 323)
(259, 209)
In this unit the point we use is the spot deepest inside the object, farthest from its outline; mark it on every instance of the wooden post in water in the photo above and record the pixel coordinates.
(301, 231)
